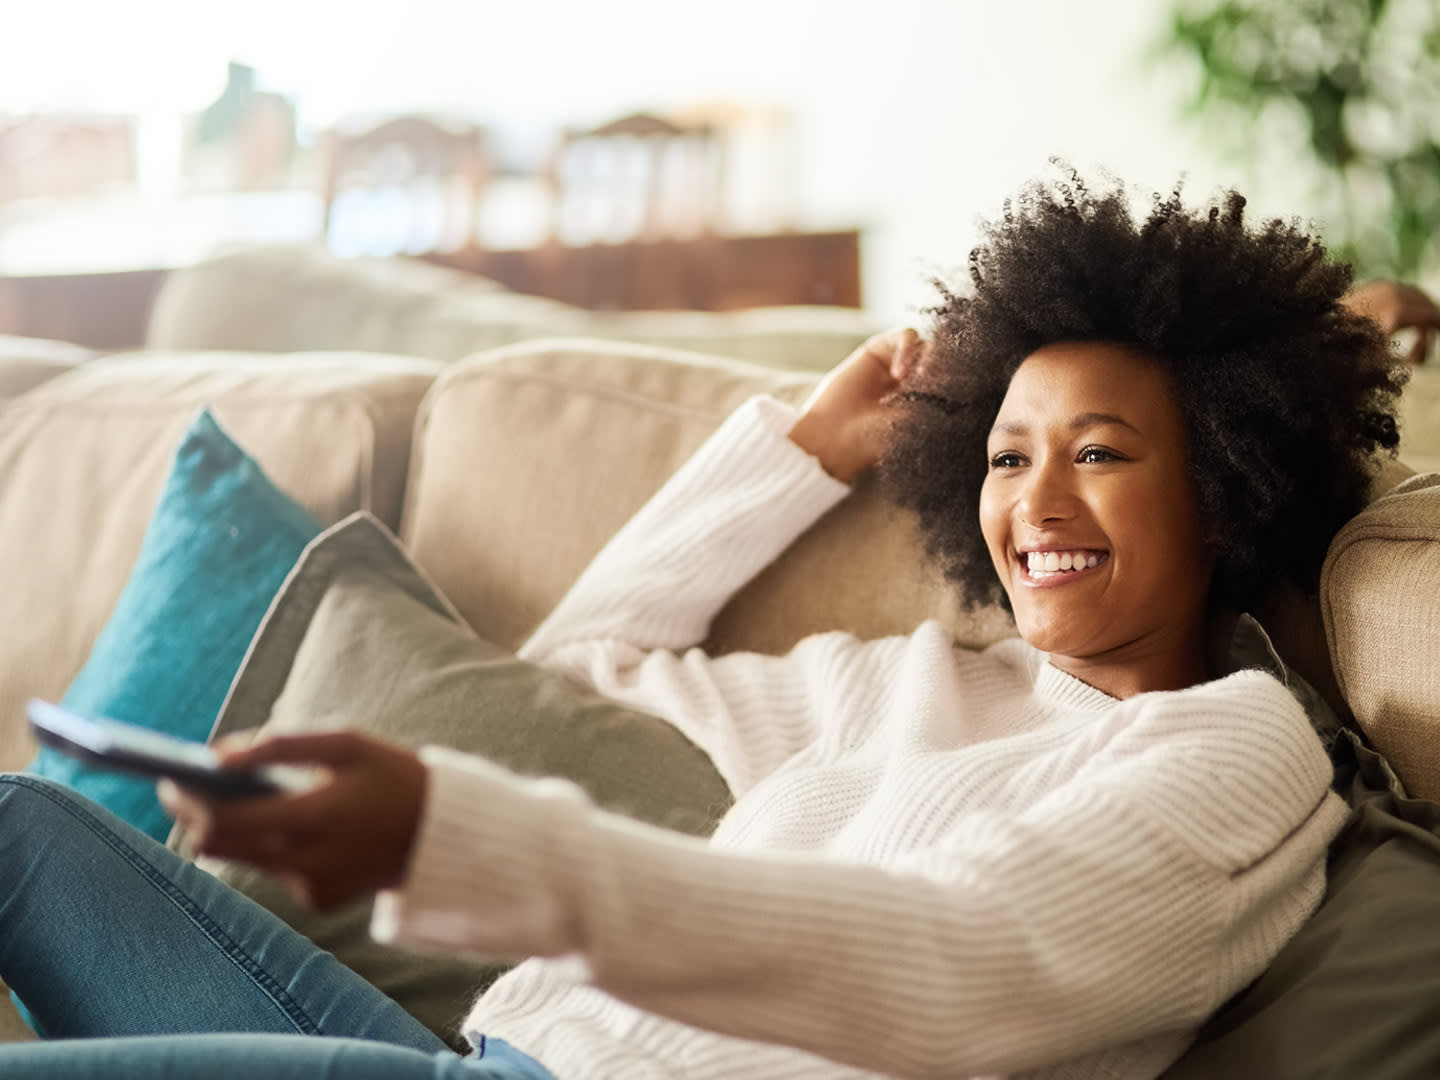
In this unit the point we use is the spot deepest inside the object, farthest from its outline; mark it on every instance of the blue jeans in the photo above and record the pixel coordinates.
(134, 963)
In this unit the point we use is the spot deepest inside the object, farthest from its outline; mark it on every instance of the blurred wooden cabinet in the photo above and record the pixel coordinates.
(704, 273)
(711, 273)
(102, 311)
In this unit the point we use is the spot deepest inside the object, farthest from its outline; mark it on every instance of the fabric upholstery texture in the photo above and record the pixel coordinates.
(83, 458)
(359, 638)
(570, 438)
(12, 1027)
(1378, 593)
(220, 543)
(27, 362)
(1420, 421)
(282, 298)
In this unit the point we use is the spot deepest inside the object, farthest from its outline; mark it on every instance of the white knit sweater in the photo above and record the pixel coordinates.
(939, 863)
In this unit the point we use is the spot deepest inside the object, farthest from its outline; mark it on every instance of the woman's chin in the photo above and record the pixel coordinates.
(1056, 637)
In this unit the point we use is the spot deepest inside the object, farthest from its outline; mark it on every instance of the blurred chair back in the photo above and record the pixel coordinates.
(409, 184)
(641, 177)
(65, 156)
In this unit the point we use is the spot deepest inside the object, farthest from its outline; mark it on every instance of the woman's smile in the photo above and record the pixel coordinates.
(1044, 568)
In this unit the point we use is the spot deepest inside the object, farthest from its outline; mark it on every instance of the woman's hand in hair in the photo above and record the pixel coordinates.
(1396, 306)
(844, 424)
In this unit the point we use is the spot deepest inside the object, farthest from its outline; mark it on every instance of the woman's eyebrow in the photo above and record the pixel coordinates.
(1099, 419)
(1078, 422)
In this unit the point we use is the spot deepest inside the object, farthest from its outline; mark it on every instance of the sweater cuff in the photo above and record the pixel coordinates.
(481, 826)
(777, 418)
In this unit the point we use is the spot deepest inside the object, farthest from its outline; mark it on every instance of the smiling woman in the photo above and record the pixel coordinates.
(1091, 519)
(1055, 857)
(1281, 394)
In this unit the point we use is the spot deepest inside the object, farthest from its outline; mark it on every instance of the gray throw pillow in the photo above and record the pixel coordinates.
(357, 638)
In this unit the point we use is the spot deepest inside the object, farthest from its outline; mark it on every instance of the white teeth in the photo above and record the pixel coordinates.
(1052, 562)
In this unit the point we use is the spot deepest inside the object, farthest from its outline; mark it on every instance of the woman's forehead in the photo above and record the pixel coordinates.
(1086, 384)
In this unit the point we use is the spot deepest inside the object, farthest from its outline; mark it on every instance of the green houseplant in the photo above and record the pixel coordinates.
(1342, 94)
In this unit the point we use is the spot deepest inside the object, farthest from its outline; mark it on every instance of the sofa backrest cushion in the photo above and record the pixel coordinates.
(1420, 421)
(529, 458)
(83, 458)
(1380, 596)
(285, 298)
(25, 363)
(1293, 619)
(218, 547)
(291, 298)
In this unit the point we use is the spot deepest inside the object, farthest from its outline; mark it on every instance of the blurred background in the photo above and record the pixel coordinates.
(846, 148)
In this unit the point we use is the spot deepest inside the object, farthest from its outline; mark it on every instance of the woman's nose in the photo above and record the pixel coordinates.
(1047, 495)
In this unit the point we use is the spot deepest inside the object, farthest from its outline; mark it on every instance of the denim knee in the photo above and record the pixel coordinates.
(17, 790)
(21, 793)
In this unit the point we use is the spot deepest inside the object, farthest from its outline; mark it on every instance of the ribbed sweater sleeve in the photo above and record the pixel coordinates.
(1130, 899)
(654, 589)
(735, 505)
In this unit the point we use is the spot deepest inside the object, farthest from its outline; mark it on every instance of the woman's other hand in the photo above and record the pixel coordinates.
(1396, 306)
(349, 835)
(844, 422)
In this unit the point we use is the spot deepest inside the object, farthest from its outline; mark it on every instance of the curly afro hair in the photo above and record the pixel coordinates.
(1286, 394)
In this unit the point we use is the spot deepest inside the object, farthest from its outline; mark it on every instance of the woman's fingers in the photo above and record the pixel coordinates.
(334, 749)
(185, 808)
(236, 741)
(349, 834)
(911, 355)
(239, 828)
(906, 354)
(844, 422)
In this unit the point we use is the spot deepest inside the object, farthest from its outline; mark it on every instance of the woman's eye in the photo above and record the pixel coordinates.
(1007, 459)
(1097, 455)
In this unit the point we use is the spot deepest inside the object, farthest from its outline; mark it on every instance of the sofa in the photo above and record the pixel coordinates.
(503, 456)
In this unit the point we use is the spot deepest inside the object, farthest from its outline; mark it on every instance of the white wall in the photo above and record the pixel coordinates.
(944, 109)
(911, 116)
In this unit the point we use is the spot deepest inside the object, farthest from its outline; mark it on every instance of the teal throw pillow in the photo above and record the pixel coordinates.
(221, 542)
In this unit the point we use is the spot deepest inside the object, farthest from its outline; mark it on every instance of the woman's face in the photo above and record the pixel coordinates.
(1091, 520)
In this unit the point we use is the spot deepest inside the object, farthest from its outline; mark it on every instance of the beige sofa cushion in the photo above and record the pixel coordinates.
(290, 298)
(794, 338)
(529, 458)
(293, 298)
(1420, 421)
(1378, 593)
(27, 362)
(83, 458)
(12, 1028)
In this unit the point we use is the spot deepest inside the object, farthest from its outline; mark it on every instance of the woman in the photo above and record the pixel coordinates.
(1055, 857)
